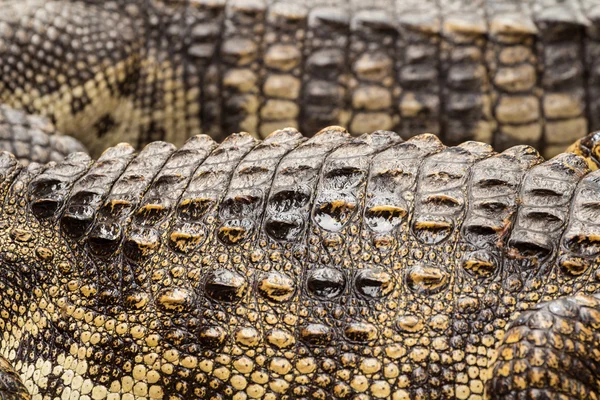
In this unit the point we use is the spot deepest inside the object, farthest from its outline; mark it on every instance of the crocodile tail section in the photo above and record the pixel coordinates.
(512, 61)
(326, 73)
(373, 84)
(240, 60)
(282, 66)
(562, 72)
(591, 10)
(82, 72)
(418, 66)
(465, 88)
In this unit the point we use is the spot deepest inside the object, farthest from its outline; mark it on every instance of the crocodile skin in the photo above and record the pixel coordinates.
(328, 267)
(33, 139)
(501, 71)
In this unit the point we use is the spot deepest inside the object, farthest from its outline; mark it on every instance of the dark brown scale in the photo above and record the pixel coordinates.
(424, 280)
(90, 191)
(124, 197)
(373, 283)
(316, 334)
(326, 283)
(48, 192)
(141, 243)
(212, 336)
(275, 286)
(175, 300)
(224, 285)
(360, 332)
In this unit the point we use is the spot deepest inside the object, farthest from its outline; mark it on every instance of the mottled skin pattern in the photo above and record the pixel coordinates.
(294, 268)
(501, 71)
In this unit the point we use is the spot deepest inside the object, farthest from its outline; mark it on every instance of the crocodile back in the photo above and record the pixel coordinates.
(328, 267)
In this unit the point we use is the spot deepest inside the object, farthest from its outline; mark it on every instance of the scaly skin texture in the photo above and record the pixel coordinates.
(32, 138)
(321, 268)
(501, 71)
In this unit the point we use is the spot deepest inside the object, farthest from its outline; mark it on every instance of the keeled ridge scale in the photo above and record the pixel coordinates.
(333, 230)
(49, 191)
(124, 197)
(543, 213)
(205, 192)
(243, 205)
(392, 178)
(161, 198)
(91, 189)
(578, 244)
